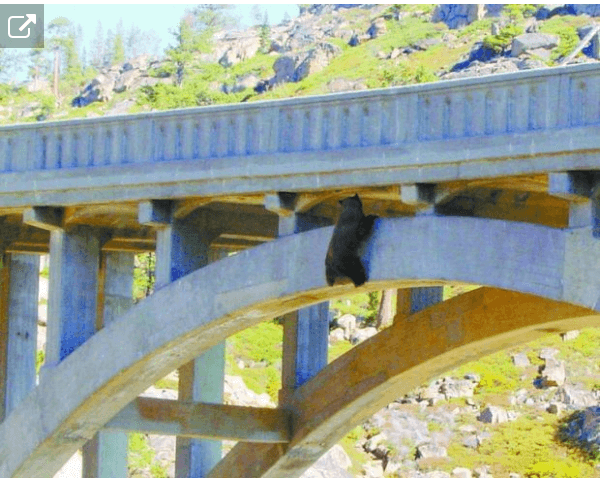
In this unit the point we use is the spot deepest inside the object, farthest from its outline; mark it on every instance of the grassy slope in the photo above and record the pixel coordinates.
(359, 63)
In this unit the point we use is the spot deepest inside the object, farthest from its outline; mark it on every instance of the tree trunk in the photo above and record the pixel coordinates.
(55, 75)
(385, 313)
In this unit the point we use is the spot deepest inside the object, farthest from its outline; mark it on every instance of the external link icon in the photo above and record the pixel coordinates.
(31, 18)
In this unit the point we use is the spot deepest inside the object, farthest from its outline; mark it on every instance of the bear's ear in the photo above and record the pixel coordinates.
(341, 202)
(356, 195)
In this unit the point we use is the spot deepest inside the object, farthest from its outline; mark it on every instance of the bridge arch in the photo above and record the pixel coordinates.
(189, 316)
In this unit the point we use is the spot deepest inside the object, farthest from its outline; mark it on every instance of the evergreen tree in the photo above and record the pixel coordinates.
(118, 51)
(39, 66)
(108, 53)
(97, 47)
(60, 42)
(265, 34)
(134, 42)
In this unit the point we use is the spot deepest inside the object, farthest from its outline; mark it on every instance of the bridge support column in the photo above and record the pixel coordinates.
(415, 299)
(18, 328)
(72, 291)
(106, 455)
(305, 332)
(182, 247)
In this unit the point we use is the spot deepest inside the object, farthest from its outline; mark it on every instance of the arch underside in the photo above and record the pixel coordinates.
(540, 280)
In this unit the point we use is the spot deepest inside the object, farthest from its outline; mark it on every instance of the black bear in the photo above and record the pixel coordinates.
(349, 235)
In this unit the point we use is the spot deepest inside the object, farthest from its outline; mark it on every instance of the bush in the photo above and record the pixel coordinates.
(498, 43)
(554, 469)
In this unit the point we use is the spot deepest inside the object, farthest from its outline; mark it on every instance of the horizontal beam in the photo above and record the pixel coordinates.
(202, 420)
(46, 218)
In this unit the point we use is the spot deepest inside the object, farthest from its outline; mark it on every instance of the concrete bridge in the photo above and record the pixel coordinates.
(486, 181)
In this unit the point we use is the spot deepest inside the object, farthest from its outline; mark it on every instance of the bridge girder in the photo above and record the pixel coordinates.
(158, 335)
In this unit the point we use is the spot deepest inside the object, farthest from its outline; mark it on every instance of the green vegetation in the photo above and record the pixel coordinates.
(141, 458)
(498, 375)
(499, 42)
(567, 33)
(262, 344)
(527, 446)
(40, 355)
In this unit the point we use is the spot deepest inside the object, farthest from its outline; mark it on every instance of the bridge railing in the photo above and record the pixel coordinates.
(554, 98)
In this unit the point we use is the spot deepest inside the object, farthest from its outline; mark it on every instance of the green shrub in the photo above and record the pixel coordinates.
(498, 43)
(554, 469)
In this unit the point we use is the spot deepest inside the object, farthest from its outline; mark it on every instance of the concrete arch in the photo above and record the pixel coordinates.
(160, 333)
(376, 372)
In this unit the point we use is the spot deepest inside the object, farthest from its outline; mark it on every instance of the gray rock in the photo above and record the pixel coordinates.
(393, 469)
(553, 374)
(459, 472)
(493, 415)
(333, 464)
(572, 334)
(470, 442)
(457, 388)
(467, 428)
(362, 334)
(236, 393)
(548, 353)
(521, 360)
(593, 10)
(584, 429)
(373, 469)
(554, 408)
(348, 323)
(482, 472)
(437, 474)
(336, 335)
(575, 397)
(377, 28)
(457, 15)
(426, 43)
(430, 450)
(533, 41)
(345, 85)
(374, 442)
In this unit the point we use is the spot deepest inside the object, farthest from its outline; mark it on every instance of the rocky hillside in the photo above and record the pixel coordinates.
(331, 48)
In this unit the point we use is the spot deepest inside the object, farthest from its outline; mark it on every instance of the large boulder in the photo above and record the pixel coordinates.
(430, 450)
(362, 334)
(493, 415)
(316, 60)
(295, 67)
(239, 49)
(583, 428)
(533, 41)
(458, 15)
(98, 90)
(333, 464)
(377, 28)
(348, 323)
(553, 374)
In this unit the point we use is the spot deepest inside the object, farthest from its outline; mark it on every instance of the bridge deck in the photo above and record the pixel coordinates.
(487, 143)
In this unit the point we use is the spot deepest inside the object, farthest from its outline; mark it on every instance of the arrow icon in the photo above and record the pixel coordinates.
(31, 18)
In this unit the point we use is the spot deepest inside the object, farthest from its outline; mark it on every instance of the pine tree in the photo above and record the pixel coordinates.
(97, 47)
(118, 51)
